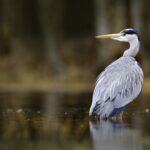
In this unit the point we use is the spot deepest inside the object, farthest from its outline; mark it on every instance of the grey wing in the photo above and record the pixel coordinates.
(115, 89)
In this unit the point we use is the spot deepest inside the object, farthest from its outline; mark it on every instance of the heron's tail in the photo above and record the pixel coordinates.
(95, 108)
(91, 109)
(103, 110)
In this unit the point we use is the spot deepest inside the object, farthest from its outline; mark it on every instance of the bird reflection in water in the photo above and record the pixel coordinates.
(108, 135)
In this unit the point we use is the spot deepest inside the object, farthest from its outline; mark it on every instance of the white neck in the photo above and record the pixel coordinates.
(133, 49)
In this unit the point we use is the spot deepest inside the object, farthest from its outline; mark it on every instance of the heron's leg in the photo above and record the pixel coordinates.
(118, 117)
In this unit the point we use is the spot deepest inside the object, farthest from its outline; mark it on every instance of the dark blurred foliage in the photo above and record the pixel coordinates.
(49, 39)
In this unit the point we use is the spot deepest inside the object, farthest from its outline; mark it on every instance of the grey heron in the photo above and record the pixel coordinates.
(121, 82)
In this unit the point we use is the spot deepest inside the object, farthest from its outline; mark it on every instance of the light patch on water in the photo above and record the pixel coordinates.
(147, 110)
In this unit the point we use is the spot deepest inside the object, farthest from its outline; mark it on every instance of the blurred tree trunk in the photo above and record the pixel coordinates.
(136, 14)
(20, 26)
(50, 17)
(5, 32)
(102, 27)
(145, 32)
(109, 18)
(120, 15)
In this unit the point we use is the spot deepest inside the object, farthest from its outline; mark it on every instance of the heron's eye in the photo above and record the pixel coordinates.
(123, 34)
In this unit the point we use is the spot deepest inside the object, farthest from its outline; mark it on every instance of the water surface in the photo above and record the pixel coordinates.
(57, 121)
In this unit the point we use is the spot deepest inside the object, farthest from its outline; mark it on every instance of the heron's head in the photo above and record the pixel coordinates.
(125, 35)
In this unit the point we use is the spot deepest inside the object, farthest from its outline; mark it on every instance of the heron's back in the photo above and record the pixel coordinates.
(117, 86)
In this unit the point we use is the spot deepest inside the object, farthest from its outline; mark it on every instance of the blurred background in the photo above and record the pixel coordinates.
(49, 61)
(47, 40)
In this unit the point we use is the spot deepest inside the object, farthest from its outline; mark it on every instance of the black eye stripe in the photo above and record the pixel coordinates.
(129, 31)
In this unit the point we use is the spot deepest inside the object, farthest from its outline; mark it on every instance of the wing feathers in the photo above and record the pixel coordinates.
(117, 86)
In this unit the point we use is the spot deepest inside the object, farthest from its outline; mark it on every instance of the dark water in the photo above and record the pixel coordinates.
(56, 121)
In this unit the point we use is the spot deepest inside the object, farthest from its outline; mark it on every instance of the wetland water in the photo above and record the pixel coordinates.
(56, 121)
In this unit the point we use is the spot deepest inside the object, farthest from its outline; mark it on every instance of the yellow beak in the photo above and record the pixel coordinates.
(109, 36)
